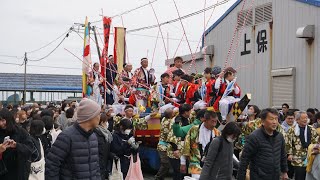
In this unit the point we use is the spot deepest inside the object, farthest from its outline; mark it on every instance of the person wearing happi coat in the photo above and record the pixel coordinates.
(211, 92)
(143, 79)
(198, 140)
(125, 91)
(94, 84)
(186, 91)
(178, 62)
(164, 90)
(225, 100)
(200, 88)
(126, 72)
(176, 77)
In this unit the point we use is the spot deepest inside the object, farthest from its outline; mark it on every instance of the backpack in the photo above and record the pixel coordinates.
(46, 140)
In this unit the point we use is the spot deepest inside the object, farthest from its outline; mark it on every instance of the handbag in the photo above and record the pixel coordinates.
(116, 173)
(37, 168)
(134, 172)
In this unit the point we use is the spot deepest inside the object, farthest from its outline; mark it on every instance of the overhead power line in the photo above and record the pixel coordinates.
(128, 11)
(55, 67)
(142, 35)
(52, 67)
(63, 34)
(11, 63)
(67, 35)
(177, 19)
(10, 56)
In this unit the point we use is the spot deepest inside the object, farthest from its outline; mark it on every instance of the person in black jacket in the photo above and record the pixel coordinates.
(36, 130)
(46, 137)
(37, 169)
(111, 74)
(104, 140)
(123, 145)
(74, 155)
(264, 151)
(15, 149)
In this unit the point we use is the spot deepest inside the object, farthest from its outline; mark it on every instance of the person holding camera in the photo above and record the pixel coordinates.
(15, 148)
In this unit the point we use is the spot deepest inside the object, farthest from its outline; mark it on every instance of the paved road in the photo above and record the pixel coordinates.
(149, 175)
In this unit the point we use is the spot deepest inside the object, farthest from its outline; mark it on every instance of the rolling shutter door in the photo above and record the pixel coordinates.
(283, 87)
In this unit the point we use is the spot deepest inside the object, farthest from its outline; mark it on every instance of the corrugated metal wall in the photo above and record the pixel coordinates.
(289, 51)
(284, 50)
(253, 69)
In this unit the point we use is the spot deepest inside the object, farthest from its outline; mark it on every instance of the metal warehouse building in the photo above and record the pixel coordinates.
(277, 50)
(39, 87)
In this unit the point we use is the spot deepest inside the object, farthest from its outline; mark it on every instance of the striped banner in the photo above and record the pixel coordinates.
(119, 47)
(86, 63)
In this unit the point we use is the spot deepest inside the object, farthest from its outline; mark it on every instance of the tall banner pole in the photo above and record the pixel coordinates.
(103, 59)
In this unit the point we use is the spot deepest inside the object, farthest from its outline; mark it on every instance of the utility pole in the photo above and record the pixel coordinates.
(25, 78)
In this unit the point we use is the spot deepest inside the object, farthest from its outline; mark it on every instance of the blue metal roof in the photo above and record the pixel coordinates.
(41, 82)
(235, 4)
(311, 2)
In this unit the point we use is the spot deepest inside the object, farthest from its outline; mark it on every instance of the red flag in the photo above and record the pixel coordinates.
(106, 33)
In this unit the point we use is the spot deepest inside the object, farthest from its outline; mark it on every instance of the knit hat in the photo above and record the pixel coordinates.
(216, 70)
(87, 110)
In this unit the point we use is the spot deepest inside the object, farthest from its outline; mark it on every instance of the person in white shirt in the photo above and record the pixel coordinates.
(95, 81)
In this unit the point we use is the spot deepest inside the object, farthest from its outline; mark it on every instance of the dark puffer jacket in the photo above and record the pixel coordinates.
(74, 155)
(266, 155)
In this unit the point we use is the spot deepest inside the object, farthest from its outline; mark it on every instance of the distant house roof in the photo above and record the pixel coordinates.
(235, 4)
(41, 82)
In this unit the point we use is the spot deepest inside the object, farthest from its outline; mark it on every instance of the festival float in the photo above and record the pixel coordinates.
(97, 85)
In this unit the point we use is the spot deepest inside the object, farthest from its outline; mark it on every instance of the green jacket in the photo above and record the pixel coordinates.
(182, 131)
